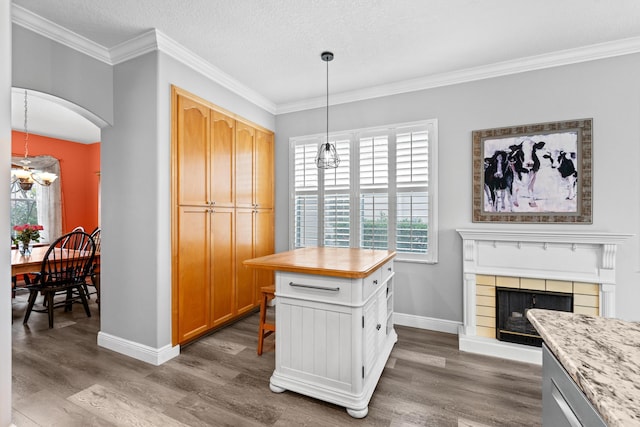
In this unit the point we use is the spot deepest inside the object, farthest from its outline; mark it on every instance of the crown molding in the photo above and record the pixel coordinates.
(144, 43)
(531, 63)
(132, 48)
(155, 40)
(197, 63)
(39, 25)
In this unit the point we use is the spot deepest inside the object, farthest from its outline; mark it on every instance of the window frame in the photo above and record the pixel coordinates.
(356, 190)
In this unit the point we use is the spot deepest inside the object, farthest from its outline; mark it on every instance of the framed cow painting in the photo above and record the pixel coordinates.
(537, 173)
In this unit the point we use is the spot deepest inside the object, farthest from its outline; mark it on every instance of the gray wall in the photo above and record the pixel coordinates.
(5, 170)
(129, 194)
(135, 98)
(49, 67)
(136, 247)
(605, 90)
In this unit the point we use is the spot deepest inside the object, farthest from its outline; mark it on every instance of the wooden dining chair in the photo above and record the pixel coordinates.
(94, 273)
(78, 228)
(265, 328)
(63, 271)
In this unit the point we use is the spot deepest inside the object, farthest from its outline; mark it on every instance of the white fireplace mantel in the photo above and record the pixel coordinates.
(579, 256)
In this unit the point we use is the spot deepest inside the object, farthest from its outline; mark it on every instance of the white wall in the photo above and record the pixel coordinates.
(606, 90)
(5, 167)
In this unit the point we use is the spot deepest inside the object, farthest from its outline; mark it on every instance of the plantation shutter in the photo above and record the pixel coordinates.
(380, 196)
(336, 198)
(305, 178)
(374, 187)
(412, 209)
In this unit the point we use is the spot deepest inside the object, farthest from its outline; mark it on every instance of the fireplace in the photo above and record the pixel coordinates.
(578, 263)
(512, 305)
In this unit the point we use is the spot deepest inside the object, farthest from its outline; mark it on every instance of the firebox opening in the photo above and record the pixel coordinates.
(511, 312)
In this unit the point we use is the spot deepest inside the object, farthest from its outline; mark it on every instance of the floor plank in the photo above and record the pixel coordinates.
(61, 377)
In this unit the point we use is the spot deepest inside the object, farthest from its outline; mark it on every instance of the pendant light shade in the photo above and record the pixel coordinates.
(327, 157)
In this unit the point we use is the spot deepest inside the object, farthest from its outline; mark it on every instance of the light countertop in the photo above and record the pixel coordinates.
(336, 262)
(601, 355)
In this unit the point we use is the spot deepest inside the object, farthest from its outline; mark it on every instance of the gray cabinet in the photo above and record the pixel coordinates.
(563, 403)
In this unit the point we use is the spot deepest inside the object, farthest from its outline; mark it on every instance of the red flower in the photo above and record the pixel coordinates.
(27, 232)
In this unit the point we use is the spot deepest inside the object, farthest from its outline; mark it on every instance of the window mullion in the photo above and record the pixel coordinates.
(392, 190)
(320, 207)
(354, 180)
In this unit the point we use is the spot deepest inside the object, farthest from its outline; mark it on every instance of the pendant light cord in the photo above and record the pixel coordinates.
(327, 102)
(26, 131)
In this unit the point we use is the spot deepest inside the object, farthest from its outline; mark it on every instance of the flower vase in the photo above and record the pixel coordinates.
(25, 248)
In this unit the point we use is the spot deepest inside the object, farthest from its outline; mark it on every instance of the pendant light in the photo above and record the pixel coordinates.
(27, 176)
(327, 157)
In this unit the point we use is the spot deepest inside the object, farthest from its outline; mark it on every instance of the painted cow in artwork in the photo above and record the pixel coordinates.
(498, 179)
(566, 168)
(525, 164)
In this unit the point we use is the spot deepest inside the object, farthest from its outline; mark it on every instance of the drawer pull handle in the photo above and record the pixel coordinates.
(375, 282)
(322, 288)
(378, 326)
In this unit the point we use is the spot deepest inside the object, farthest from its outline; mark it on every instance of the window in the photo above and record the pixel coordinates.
(382, 196)
(24, 209)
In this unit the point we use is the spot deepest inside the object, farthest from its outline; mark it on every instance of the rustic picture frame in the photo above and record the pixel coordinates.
(535, 173)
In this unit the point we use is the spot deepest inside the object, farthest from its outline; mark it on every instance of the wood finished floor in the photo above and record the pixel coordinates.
(62, 378)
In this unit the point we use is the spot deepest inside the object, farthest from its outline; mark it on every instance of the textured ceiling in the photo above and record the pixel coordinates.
(273, 46)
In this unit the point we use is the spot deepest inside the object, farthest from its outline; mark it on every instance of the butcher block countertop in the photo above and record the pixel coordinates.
(601, 355)
(336, 262)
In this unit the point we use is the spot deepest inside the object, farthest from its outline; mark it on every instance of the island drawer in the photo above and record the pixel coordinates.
(314, 288)
(387, 270)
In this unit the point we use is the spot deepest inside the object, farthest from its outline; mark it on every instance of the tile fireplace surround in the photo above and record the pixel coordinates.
(577, 257)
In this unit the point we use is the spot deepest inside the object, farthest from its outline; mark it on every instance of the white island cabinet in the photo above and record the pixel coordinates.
(334, 322)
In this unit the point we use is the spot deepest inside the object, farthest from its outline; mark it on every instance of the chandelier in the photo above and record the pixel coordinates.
(26, 176)
(327, 157)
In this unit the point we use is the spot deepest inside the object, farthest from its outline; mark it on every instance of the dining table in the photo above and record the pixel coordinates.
(22, 264)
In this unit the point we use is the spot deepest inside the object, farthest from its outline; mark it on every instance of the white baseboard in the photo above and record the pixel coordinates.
(420, 322)
(154, 356)
(495, 348)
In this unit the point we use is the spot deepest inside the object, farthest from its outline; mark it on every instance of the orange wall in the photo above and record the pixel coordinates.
(79, 164)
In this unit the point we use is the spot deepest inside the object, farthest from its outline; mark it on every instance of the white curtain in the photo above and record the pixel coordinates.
(48, 199)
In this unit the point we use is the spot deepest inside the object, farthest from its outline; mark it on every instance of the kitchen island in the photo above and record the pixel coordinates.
(591, 369)
(334, 322)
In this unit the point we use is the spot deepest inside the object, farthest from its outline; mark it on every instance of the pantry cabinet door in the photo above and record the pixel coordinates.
(194, 291)
(192, 162)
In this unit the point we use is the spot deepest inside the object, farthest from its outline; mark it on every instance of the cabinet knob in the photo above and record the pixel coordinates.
(375, 282)
(389, 269)
(378, 326)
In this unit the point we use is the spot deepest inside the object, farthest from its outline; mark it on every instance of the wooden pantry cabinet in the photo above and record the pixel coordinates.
(222, 214)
